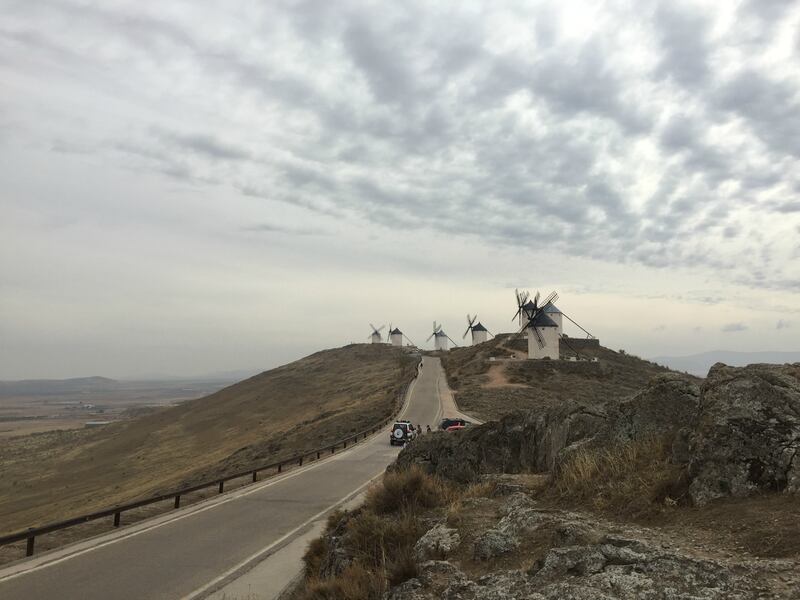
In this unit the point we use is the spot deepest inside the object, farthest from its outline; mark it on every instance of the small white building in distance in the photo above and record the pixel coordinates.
(551, 310)
(396, 337)
(440, 341)
(376, 337)
(548, 330)
(479, 334)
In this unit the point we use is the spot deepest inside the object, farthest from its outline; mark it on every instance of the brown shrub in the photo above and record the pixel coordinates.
(402, 567)
(355, 583)
(374, 539)
(636, 478)
(407, 491)
(315, 554)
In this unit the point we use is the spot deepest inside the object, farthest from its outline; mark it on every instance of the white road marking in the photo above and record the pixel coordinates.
(265, 552)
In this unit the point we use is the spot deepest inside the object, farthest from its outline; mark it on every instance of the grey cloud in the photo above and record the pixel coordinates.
(683, 34)
(770, 106)
(207, 145)
(734, 327)
(284, 229)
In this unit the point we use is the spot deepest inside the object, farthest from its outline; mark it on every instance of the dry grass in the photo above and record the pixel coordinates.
(635, 478)
(380, 537)
(407, 491)
(315, 400)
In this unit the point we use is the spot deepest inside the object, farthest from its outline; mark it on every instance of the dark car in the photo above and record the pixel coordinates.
(448, 423)
(402, 432)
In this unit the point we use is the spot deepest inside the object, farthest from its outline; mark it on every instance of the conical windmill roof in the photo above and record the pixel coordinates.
(542, 320)
(551, 309)
(395, 331)
(479, 327)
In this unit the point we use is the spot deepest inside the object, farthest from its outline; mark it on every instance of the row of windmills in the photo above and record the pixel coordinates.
(540, 320)
(395, 337)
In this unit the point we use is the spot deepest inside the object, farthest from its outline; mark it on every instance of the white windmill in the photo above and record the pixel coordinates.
(551, 310)
(543, 338)
(395, 336)
(375, 336)
(440, 338)
(479, 333)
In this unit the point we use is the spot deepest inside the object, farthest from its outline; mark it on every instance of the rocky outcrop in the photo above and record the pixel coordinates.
(747, 438)
(437, 543)
(737, 434)
(597, 560)
(538, 440)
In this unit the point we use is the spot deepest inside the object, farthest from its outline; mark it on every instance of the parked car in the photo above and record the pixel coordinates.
(447, 423)
(456, 428)
(402, 432)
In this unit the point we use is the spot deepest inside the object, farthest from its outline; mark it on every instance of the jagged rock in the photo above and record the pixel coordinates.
(410, 589)
(666, 404)
(538, 440)
(748, 434)
(495, 542)
(436, 543)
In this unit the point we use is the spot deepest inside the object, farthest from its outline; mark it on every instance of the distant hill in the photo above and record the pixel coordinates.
(699, 364)
(43, 387)
(307, 403)
(489, 382)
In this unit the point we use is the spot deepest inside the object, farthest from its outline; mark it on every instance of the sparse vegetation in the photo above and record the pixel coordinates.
(379, 536)
(633, 479)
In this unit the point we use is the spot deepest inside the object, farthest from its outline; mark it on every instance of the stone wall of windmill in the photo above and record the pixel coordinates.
(396, 337)
(440, 341)
(550, 337)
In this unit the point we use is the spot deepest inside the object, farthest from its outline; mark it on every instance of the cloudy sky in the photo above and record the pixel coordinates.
(194, 187)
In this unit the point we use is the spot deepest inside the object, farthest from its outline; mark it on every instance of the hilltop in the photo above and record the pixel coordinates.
(490, 380)
(699, 364)
(310, 402)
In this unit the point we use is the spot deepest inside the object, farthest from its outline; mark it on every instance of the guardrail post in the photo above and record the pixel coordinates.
(333, 449)
(29, 546)
(345, 444)
(177, 500)
(221, 486)
(117, 517)
(255, 476)
(317, 454)
(279, 467)
(301, 461)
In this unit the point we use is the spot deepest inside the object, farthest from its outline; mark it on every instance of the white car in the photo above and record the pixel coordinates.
(402, 432)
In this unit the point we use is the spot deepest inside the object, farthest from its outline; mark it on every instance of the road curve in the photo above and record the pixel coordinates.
(180, 554)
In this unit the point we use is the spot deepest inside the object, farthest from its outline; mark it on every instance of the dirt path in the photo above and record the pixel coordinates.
(498, 378)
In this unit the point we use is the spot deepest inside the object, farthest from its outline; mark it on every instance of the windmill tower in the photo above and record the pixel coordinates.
(395, 336)
(440, 338)
(479, 333)
(551, 310)
(375, 336)
(543, 339)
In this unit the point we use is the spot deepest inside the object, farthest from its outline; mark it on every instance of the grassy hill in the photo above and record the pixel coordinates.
(489, 382)
(310, 402)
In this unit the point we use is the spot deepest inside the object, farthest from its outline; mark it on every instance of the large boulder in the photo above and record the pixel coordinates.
(747, 436)
(539, 440)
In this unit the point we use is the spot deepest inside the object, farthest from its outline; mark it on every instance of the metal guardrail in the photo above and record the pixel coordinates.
(31, 533)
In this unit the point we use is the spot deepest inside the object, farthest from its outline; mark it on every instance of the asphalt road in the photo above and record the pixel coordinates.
(185, 552)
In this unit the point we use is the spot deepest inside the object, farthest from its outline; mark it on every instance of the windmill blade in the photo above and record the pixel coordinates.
(449, 338)
(470, 321)
(490, 333)
(409, 340)
(373, 328)
(389, 333)
(430, 336)
(551, 298)
(466, 332)
(539, 338)
(536, 299)
(380, 329)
